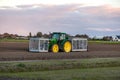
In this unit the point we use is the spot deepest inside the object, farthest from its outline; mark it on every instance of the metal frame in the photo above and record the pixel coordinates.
(41, 44)
(79, 44)
(38, 45)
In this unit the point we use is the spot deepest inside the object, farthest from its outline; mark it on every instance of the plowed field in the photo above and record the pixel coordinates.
(19, 51)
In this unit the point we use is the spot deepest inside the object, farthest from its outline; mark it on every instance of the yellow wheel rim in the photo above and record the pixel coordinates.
(55, 48)
(67, 46)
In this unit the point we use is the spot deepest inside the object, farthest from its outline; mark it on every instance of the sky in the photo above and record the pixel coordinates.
(92, 17)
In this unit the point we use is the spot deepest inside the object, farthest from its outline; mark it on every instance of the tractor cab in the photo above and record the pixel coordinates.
(59, 36)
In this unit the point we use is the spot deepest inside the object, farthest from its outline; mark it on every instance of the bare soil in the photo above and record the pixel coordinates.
(19, 51)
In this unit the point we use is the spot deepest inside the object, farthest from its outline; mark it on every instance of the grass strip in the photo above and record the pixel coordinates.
(108, 73)
(45, 65)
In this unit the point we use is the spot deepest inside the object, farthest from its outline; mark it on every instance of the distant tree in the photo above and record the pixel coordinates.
(39, 34)
(82, 35)
(1, 36)
(107, 38)
(30, 34)
(46, 35)
(16, 35)
(6, 35)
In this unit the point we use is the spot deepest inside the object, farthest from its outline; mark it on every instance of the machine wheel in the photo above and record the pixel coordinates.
(55, 48)
(67, 46)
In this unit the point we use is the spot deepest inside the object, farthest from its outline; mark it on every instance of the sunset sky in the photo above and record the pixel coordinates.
(92, 17)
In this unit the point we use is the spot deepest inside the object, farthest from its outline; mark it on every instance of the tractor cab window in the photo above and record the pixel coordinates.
(62, 36)
(56, 36)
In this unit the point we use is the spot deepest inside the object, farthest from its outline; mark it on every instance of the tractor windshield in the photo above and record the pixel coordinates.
(56, 36)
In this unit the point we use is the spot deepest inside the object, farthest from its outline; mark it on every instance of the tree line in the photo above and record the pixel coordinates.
(105, 38)
(40, 34)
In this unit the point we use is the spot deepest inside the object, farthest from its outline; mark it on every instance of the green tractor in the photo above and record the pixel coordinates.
(59, 42)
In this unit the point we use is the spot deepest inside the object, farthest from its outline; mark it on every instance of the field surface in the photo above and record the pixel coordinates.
(19, 51)
(100, 62)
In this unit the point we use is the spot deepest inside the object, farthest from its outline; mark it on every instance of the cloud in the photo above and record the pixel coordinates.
(72, 18)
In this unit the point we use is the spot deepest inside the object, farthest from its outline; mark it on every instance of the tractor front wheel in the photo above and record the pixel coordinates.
(55, 48)
(67, 46)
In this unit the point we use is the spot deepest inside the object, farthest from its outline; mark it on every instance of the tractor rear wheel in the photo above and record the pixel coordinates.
(55, 48)
(67, 46)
